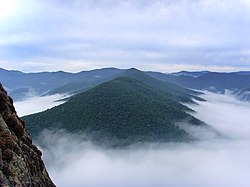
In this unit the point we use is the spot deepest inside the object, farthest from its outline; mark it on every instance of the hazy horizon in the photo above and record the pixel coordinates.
(107, 67)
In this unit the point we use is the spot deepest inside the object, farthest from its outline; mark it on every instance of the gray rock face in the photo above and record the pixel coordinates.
(20, 160)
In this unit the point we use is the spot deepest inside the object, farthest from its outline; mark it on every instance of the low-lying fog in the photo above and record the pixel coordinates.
(38, 104)
(212, 162)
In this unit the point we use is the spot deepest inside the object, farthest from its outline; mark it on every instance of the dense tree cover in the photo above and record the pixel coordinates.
(124, 110)
(173, 91)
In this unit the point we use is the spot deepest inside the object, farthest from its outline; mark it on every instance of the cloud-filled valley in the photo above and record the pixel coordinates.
(211, 162)
(37, 104)
(125, 93)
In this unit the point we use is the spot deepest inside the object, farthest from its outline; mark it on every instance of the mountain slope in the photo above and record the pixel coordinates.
(86, 80)
(20, 160)
(21, 85)
(121, 111)
(175, 92)
(216, 82)
(243, 95)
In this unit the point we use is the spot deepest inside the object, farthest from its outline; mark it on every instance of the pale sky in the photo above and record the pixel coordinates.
(160, 35)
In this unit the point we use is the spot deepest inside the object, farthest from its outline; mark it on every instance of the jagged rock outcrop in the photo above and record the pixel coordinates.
(20, 160)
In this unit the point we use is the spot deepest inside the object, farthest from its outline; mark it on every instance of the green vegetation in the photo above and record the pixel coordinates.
(171, 90)
(122, 111)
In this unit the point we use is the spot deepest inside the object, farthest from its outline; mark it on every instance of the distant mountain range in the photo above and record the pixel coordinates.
(130, 108)
(212, 81)
(22, 85)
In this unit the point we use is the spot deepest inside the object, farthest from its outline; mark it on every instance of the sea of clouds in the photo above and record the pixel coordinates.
(211, 162)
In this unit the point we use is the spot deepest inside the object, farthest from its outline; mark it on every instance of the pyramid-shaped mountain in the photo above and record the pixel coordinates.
(131, 108)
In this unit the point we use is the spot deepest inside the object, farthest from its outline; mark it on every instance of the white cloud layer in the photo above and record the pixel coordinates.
(37, 104)
(212, 162)
(125, 33)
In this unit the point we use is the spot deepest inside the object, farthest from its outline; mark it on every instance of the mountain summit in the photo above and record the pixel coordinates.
(131, 108)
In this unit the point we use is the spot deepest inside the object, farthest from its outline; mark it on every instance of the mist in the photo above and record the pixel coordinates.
(211, 162)
(38, 104)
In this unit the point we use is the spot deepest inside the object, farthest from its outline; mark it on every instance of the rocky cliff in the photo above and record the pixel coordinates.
(20, 160)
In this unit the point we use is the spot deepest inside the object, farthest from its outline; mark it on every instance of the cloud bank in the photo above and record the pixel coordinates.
(212, 162)
(38, 104)
(151, 35)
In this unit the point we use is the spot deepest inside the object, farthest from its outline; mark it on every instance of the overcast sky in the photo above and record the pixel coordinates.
(161, 35)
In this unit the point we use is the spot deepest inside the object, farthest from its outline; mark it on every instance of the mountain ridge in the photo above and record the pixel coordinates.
(20, 85)
(122, 111)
